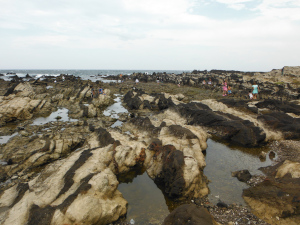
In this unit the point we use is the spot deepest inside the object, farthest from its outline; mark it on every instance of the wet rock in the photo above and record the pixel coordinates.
(272, 155)
(288, 125)
(189, 214)
(132, 100)
(268, 201)
(277, 105)
(221, 204)
(262, 156)
(242, 175)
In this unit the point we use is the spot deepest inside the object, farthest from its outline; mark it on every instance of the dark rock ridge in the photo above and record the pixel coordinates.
(223, 125)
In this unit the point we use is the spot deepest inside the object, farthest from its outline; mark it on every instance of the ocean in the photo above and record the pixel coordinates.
(93, 75)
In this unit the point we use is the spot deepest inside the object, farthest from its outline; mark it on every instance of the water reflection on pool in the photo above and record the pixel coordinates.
(5, 139)
(115, 108)
(221, 160)
(146, 202)
(63, 113)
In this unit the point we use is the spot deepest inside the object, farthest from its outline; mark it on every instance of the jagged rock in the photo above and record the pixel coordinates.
(173, 146)
(225, 126)
(262, 156)
(277, 105)
(288, 125)
(242, 175)
(289, 167)
(58, 194)
(276, 199)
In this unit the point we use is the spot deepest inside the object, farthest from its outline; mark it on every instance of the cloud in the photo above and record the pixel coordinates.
(140, 28)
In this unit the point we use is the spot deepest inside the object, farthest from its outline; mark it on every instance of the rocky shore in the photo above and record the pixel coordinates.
(65, 171)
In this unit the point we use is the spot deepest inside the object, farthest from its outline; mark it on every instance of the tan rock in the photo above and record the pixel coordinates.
(289, 167)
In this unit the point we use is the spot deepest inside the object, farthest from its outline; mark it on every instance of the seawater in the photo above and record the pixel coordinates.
(84, 74)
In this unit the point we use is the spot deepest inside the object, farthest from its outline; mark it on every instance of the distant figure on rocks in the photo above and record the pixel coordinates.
(63, 78)
(250, 95)
(224, 88)
(255, 89)
(100, 91)
(157, 80)
(136, 81)
(209, 81)
(92, 92)
(203, 82)
(229, 90)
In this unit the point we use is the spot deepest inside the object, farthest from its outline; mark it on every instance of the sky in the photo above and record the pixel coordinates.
(245, 35)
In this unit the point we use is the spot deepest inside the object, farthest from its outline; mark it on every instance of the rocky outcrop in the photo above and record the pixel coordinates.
(27, 100)
(174, 155)
(287, 125)
(57, 195)
(276, 200)
(225, 126)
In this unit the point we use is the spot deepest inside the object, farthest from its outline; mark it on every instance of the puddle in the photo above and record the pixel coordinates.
(5, 139)
(63, 113)
(3, 163)
(115, 108)
(118, 123)
(49, 87)
(221, 160)
(146, 202)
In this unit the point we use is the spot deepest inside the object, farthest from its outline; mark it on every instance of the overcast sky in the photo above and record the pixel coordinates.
(247, 35)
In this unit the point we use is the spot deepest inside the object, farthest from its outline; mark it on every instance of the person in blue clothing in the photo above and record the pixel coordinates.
(255, 90)
(100, 91)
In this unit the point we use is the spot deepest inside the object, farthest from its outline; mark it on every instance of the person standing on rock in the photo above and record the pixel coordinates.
(136, 81)
(229, 90)
(209, 81)
(224, 87)
(100, 91)
(255, 89)
(250, 95)
(92, 92)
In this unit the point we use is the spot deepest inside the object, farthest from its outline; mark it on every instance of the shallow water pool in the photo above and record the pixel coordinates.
(115, 108)
(221, 160)
(63, 113)
(5, 139)
(146, 202)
